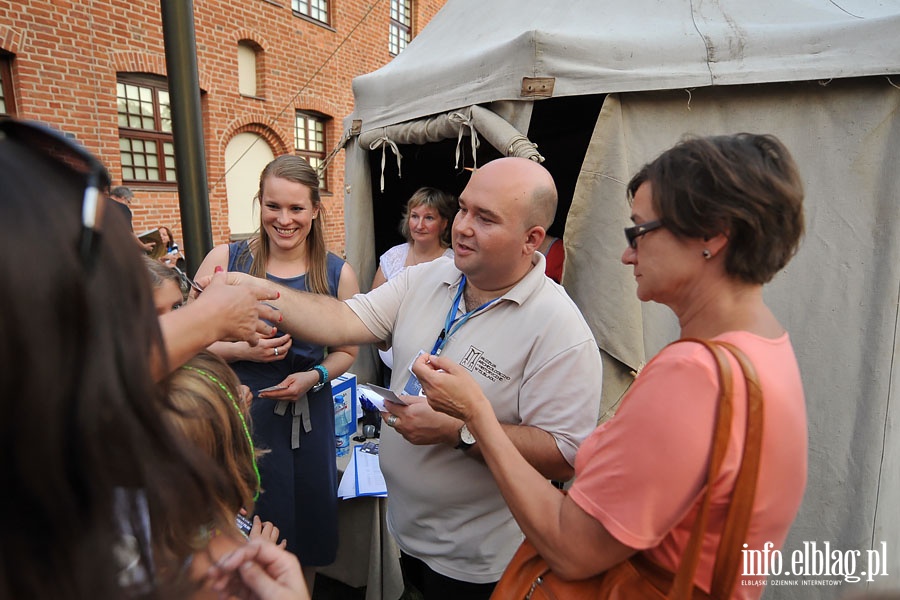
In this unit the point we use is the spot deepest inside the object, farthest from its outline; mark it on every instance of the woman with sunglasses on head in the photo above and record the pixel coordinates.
(294, 421)
(95, 481)
(714, 220)
(211, 408)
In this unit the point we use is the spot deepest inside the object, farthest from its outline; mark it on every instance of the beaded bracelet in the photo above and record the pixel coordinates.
(323, 377)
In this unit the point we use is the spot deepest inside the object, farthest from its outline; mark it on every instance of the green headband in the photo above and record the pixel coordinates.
(240, 413)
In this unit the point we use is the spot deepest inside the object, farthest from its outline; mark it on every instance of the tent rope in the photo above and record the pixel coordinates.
(465, 120)
(522, 146)
(334, 151)
(384, 142)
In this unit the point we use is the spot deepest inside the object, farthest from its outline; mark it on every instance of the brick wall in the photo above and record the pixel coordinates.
(67, 54)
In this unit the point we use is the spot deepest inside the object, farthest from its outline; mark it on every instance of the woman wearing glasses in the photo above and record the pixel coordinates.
(295, 419)
(714, 219)
(95, 482)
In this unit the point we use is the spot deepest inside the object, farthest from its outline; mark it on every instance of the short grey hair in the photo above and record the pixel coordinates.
(122, 192)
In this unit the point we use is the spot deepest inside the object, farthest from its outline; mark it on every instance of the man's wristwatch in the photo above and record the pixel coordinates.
(466, 439)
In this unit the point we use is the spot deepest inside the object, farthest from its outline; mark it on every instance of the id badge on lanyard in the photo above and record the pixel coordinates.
(413, 387)
(451, 325)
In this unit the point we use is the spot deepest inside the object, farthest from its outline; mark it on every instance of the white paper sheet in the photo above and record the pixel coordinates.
(378, 395)
(362, 476)
(347, 486)
(369, 479)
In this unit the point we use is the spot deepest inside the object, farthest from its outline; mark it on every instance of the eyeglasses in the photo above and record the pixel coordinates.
(58, 148)
(633, 233)
(187, 280)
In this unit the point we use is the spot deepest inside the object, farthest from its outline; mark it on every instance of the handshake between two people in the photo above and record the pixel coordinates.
(452, 396)
(239, 306)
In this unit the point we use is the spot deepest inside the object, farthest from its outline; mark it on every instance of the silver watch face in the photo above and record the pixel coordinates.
(465, 435)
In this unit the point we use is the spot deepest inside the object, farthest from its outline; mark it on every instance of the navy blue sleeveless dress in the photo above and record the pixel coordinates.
(299, 485)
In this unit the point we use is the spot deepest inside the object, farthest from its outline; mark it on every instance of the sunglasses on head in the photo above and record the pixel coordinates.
(633, 233)
(187, 280)
(61, 150)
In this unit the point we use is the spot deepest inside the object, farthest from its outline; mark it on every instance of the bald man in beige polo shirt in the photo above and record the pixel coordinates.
(492, 310)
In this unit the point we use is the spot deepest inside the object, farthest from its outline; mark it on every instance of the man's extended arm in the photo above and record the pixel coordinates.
(222, 312)
(315, 318)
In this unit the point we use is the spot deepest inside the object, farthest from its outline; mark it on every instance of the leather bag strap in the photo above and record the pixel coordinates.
(683, 585)
(738, 520)
(740, 509)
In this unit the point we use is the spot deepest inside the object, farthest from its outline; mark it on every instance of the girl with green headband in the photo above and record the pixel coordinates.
(212, 409)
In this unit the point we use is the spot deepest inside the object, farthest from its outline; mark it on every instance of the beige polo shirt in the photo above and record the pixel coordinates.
(534, 356)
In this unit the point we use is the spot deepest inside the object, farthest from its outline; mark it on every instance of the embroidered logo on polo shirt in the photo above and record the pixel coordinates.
(475, 362)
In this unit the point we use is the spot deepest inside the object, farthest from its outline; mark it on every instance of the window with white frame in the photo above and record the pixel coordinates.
(314, 9)
(146, 144)
(309, 141)
(401, 26)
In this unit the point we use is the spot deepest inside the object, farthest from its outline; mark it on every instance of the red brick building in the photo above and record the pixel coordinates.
(275, 77)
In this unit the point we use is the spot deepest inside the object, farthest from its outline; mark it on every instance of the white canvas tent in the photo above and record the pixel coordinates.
(602, 87)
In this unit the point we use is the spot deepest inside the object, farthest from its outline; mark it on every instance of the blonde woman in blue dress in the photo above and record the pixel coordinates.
(294, 418)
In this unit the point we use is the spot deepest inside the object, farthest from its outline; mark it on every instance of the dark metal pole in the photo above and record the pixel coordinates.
(187, 126)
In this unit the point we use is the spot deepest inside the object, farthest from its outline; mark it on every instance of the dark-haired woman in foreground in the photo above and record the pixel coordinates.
(100, 495)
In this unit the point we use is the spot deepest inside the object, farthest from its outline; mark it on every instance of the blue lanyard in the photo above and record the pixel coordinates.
(452, 325)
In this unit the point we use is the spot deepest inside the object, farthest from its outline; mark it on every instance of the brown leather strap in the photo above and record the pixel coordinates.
(740, 509)
(683, 585)
(734, 534)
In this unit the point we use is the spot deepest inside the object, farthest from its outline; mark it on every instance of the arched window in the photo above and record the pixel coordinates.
(247, 73)
(246, 155)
